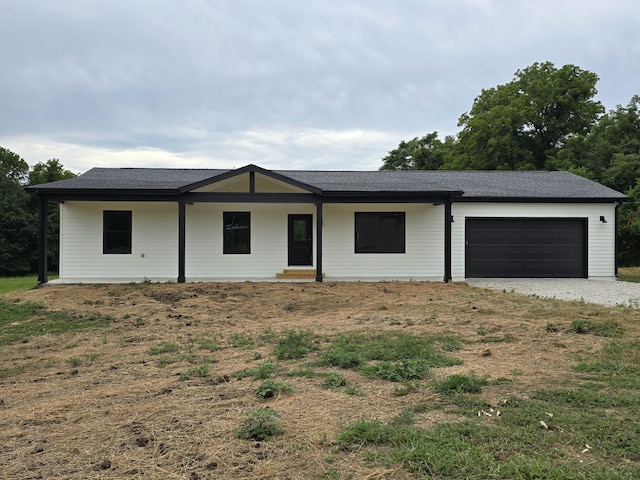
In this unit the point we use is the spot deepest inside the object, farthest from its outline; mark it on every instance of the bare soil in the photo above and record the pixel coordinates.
(118, 413)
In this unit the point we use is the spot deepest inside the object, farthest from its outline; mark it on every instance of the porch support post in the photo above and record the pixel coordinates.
(448, 220)
(319, 242)
(181, 241)
(616, 244)
(43, 248)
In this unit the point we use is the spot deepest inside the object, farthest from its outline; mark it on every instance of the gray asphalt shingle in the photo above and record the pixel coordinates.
(474, 184)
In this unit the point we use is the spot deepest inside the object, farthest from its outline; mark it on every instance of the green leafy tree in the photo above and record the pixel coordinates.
(425, 153)
(523, 123)
(50, 171)
(629, 228)
(18, 221)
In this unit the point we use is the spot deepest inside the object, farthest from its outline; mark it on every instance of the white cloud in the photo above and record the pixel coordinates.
(273, 149)
(313, 84)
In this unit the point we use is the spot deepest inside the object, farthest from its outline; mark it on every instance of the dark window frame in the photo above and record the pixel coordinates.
(116, 233)
(232, 241)
(380, 239)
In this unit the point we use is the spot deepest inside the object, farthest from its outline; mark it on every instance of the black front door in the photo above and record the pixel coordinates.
(300, 240)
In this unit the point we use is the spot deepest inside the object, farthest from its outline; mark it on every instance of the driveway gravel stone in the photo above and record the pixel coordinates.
(605, 292)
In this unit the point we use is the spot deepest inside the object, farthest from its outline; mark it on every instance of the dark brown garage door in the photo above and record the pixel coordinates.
(525, 247)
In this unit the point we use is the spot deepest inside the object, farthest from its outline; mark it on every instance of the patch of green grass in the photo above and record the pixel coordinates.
(629, 274)
(243, 341)
(400, 356)
(400, 371)
(164, 347)
(20, 321)
(587, 431)
(263, 371)
(617, 365)
(455, 384)
(170, 352)
(207, 343)
(295, 344)
(17, 284)
(601, 328)
(201, 371)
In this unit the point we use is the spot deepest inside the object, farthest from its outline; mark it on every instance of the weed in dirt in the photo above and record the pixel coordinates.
(207, 343)
(404, 390)
(195, 372)
(164, 347)
(401, 371)
(20, 321)
(354, 391)
(271, 387)
(260, 424)
(169, 353)
(295, 344)
(86, 359)
(74, 361)
(263, 371)
(334, 380)
(302, 372)
(243, 341)
(603, 328)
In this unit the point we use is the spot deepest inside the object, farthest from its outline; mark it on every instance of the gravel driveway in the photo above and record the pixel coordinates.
(605, 292)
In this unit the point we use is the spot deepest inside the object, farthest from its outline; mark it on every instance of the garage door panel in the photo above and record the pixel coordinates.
(507, 247)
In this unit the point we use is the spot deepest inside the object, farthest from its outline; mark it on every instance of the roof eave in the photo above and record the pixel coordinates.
(543, 199)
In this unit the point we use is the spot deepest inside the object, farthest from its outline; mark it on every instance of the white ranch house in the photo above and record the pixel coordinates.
(131, 224)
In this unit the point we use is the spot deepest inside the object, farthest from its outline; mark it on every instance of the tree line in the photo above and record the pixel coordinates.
(19, 213)
(546, 118)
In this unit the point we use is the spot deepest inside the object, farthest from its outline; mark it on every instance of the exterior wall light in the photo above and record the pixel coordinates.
(602, 219)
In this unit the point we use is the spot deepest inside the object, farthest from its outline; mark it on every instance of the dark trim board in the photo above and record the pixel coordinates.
(500, 247)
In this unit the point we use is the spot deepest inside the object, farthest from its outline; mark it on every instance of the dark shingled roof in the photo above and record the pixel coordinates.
(475, 184)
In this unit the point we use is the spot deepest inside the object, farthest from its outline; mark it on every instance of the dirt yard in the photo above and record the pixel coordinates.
(98, 404)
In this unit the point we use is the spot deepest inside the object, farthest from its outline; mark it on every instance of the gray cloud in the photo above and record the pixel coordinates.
(280, 82)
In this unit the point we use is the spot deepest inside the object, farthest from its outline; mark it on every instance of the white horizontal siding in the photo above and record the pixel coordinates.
(269, 254)
(424, 257)
(600, 236)
(154, 242)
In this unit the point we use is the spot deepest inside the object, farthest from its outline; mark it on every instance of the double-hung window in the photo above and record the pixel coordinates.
(380, 232)
(116, 231)
(237, 232)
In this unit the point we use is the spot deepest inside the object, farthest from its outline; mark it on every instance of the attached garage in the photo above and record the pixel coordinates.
(526, 247)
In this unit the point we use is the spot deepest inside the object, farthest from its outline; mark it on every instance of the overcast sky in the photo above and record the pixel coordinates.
(284, 84)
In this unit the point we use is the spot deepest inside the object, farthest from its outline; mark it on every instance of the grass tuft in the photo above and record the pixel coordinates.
(20, 321)
(295, 344)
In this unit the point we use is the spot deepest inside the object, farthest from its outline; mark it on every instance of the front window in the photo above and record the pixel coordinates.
(116, 233)
(380, 232)
(237, 232)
